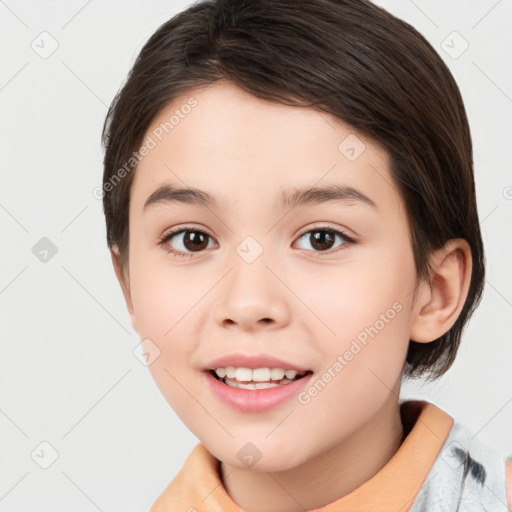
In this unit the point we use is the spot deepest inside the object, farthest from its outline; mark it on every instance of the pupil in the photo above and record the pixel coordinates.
(196, 239)
(320, 238)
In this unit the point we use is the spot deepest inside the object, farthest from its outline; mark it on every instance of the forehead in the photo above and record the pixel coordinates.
(238, 147)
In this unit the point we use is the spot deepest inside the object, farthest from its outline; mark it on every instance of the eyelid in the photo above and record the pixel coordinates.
(186, 227)
(319, 225)
(325, 227)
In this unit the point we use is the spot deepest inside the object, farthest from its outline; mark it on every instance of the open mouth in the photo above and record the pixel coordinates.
(232, 382)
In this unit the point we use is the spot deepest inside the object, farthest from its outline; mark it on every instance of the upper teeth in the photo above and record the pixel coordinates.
(257, 375)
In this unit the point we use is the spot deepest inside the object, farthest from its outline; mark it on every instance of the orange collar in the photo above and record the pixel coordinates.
(198, 484)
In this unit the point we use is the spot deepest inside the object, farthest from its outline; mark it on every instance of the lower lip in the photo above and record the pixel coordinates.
(255, 400)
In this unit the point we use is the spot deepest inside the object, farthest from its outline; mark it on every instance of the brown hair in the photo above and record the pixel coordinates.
(349, 58)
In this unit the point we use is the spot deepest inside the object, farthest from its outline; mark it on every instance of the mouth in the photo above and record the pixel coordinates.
(265, 381)
(256, 390)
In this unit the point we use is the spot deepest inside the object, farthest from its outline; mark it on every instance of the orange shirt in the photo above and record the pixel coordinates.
(198, 485)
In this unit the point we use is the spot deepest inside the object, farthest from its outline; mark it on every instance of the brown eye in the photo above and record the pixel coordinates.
(185, 242)
(324, 239)
(195, 240)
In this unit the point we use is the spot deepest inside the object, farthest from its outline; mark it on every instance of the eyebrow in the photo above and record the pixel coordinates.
(289, 198)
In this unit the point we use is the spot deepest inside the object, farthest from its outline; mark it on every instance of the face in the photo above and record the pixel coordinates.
(324, 284)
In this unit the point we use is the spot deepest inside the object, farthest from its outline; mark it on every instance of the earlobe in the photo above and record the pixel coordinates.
(439, 302)
(123, 279)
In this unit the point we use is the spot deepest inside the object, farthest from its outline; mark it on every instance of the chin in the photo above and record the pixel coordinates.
(265, 457)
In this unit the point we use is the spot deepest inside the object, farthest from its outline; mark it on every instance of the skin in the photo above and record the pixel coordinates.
(316, 302)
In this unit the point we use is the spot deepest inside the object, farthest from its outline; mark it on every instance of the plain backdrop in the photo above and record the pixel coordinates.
(73, 397)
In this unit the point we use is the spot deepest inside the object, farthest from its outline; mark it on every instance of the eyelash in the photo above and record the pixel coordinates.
(179, 254)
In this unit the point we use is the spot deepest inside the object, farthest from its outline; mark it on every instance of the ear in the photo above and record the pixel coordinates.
(439, 302)
(124, 281)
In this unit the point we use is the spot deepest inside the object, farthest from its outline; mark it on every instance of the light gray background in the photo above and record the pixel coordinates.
(68, 376)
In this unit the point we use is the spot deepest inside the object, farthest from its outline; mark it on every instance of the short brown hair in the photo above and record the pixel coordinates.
(349, 58)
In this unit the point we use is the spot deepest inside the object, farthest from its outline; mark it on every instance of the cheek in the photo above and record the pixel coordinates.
(167, 302)
(163, 316)
(367, 291)
(362, 363)
(365, 313)
(163, 293)
(165, 308)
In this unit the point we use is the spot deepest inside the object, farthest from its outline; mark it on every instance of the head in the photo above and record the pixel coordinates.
(251, 103)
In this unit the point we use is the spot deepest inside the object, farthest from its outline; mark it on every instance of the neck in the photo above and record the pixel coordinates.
(328, 476)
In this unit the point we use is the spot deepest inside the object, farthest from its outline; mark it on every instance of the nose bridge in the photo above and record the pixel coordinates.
(251, 293)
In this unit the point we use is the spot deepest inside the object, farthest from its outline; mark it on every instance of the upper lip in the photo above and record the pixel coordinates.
(253, 361)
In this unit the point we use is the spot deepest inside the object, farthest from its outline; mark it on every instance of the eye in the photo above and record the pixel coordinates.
(323, 239)
(186, 239)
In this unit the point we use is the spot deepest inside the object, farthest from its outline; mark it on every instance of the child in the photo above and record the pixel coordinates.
(291, 211)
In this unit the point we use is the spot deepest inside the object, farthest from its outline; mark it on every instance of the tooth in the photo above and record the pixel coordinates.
(243, 374)
(241, 385)
(265, 385)
(261, 374)
(276, 373)
(230, 372)
(256, 385)
(232, 384)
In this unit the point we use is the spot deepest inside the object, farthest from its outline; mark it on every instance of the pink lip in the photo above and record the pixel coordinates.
(255, 400)
(248, 361)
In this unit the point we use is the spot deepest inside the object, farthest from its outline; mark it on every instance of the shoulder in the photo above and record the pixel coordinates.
(197, 487)
(473, 471)
(183, 488)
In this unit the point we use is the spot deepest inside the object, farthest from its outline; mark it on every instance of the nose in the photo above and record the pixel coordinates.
(252, 297)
